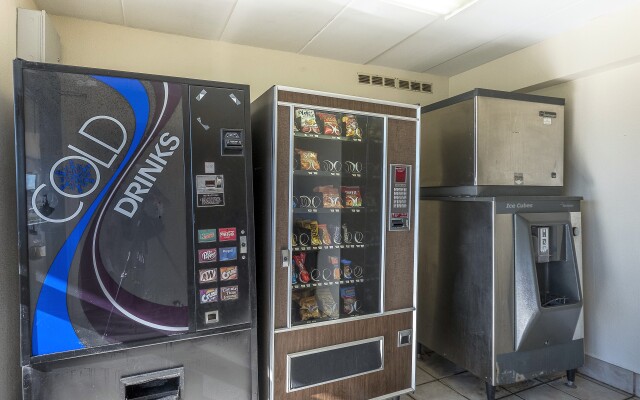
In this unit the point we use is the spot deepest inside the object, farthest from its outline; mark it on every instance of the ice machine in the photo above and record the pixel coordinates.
(500, 272)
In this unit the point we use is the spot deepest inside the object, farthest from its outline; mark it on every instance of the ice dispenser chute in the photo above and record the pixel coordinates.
(547, 293)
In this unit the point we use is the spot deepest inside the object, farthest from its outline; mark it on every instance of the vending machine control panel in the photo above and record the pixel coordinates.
(400, 197)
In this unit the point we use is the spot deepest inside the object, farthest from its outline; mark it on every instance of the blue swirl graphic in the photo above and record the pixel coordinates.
(52, 330)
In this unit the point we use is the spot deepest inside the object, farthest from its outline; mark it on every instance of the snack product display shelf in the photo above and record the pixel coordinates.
(329, 247)
(325, 137)
(328, 210)
(327, 174)
(320, 284)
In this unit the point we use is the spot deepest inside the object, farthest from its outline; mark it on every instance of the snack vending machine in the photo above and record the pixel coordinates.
(335, 180)
(137, 268)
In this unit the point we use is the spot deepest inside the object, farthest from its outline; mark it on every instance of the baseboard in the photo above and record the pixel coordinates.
(612, 375)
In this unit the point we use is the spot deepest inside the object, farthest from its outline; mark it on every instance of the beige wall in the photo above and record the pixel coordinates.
(602, 44)
(94, 44)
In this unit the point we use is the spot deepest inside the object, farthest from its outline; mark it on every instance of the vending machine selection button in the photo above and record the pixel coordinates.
(243, 244)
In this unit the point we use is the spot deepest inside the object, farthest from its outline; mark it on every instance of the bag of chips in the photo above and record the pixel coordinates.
(346, 268)
(328, 304)
(303, 275)
(305, 121)
(308, 160)
(330, 124)
(351, 196)
(349, 300)
(351, 128)
(330, 196)
(335, 264)
(309, 308)
(315, 233)
(324, 234)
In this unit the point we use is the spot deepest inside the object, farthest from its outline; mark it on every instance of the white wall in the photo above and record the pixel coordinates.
(94, 44)
(597, 69)
(602, 163)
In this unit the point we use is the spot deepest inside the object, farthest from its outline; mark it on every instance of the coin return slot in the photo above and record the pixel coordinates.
(232, 142)
(397, 223)
(211, 317)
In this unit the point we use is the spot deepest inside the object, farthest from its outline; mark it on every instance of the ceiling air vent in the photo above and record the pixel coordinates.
(364, 79)
(390, 82)
(376, 80)
(415, 86)
(402, 84)
(426, 87)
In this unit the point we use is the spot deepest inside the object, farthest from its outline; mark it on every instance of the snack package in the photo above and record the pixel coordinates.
(324, 234)
(346, 268)
(294, 277)
(330, 196)
(308, 160)
(351, 196)
(349, 300)
(315, 234)
(309, 308)
(351, 128)
(299, 259)
(305, 121)
(335, 264)
(328, 304)
(330, 124)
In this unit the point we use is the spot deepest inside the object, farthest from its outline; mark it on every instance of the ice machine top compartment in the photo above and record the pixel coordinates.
(493, 143)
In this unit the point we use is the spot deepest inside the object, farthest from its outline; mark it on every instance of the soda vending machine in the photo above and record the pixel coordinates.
(136, 235)
(335, 180)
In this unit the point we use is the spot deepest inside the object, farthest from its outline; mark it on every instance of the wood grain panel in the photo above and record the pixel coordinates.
(396, 375)
(281, 284)
(401, 138)
(345, 104)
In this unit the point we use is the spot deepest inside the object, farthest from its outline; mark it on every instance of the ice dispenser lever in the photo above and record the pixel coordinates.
(543, 253)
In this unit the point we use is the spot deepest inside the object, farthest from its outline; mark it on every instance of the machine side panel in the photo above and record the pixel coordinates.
(455, 271)
(399, 263)
(447, 146)
(262, 122)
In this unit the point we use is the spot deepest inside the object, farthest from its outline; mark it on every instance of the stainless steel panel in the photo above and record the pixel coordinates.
(216, 367)
(504, 283)
(447, 146)
(576, 224)
(514, 141)
(455, 306)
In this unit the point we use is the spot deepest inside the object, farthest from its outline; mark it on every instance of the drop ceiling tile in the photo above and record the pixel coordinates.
(204, 19)
(279, 24)
(483, 22)
(109, 11)
(365, 29)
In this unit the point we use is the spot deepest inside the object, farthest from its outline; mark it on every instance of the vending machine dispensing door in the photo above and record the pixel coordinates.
(135, 215)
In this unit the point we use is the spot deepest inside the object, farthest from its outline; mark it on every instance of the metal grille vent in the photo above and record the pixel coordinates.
(394, 83)
(365, 79)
